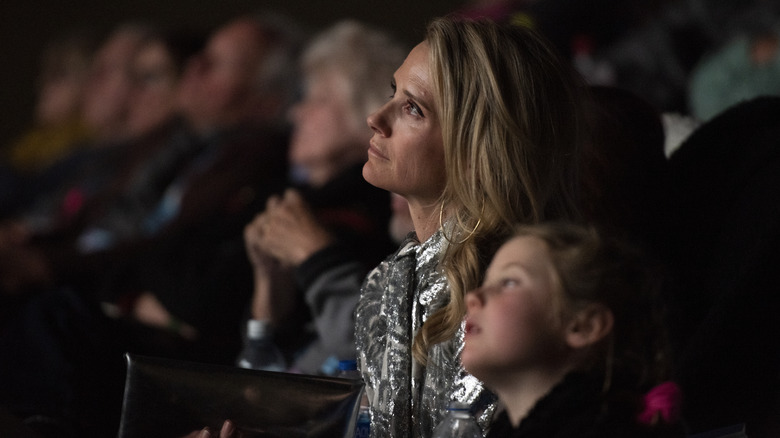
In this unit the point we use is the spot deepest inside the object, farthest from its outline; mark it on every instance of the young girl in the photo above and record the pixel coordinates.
(565, 331)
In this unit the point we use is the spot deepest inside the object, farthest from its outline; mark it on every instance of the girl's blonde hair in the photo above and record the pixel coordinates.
(511, 113)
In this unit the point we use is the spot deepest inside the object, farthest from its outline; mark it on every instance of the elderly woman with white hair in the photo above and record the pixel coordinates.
(312, 246)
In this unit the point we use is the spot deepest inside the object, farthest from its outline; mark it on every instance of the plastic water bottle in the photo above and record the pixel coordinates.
(260, 353)
(458, 423)
(348, 370)
(363, 427)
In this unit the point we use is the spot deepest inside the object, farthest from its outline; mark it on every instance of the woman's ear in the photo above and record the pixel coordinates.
(589, 326)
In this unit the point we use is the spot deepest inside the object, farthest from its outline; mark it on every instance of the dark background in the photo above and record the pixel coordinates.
(26, 26)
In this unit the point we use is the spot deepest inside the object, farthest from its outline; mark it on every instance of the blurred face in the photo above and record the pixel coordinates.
(154, 89)
(61, 92)
(323, 126)
(218, 86)
(406, 153)
(510, 327)
(108, 89)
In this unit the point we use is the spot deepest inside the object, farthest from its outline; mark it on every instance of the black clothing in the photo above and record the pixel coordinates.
(576, 408)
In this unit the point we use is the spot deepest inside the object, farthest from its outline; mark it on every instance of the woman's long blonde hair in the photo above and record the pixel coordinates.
(512, 123)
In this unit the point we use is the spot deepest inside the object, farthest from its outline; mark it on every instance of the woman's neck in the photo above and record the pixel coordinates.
(425, 217)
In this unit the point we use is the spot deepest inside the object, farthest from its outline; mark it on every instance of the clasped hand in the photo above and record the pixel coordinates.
(286, 231)
(278, 239)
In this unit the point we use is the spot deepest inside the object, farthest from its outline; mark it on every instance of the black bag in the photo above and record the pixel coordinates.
(169, 399)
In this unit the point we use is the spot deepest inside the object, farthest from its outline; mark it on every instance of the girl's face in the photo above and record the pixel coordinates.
(510, 323)
(406, 153)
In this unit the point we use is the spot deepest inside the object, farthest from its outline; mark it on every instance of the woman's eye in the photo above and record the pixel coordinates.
(392, 87)
(413, 109)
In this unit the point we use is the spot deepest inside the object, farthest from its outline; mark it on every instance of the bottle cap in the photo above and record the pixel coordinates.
(455, 405)
(348, 365)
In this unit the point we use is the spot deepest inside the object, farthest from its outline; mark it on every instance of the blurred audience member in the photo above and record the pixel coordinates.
(194, 166)
(329, 232)
(103, 110)
(156, 71)
(748, 66)
(655, 60)
(88, 167)
(64, 361)
(131, 166)
(106, 99)
(58, 125)
(242, 77)
(233, 99)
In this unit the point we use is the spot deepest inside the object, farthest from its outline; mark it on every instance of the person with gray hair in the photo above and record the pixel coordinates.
(324, 234)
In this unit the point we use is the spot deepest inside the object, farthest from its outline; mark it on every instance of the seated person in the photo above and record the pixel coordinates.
(564, 331)
(182, 266)
(330, 230)
(137, 164)
(57, 124)
(88, 167)
(745, 67)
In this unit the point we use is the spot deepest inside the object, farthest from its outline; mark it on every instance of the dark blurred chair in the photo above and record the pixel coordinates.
(725, 211)
(169, 399)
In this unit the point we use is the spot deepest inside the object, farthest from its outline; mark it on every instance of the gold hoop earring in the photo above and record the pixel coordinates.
(441, 224)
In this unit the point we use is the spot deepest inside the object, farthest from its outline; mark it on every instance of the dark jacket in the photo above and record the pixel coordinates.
(576, 408)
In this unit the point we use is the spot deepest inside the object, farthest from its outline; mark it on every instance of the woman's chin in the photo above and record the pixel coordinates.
(369, 175)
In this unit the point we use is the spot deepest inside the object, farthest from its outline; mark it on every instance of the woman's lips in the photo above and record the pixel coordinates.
(373, 150)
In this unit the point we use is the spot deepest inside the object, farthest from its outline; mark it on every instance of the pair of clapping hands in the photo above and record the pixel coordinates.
(280, 238)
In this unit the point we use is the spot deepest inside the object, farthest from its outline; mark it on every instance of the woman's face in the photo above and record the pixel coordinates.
(510, 325)
(406, 153)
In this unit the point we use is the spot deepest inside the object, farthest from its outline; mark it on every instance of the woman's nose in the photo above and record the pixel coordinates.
(377, 121)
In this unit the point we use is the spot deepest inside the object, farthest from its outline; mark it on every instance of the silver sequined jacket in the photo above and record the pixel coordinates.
(406, 398)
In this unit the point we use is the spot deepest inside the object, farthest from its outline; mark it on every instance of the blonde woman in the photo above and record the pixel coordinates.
(481, 132)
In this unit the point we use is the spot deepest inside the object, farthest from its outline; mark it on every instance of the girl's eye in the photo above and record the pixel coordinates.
(509, 283)
(393, 87)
